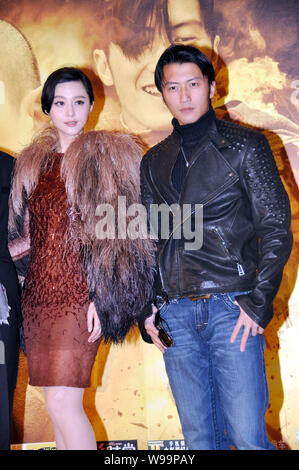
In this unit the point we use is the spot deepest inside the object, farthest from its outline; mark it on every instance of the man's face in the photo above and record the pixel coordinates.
(133, 78)
(186, 92)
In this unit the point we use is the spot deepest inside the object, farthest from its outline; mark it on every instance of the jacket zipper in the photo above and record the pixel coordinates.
(240, 268)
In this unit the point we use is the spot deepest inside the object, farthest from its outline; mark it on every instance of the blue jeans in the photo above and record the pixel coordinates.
(221, 393)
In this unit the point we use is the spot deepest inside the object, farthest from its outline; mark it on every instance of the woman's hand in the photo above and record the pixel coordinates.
(93, 324)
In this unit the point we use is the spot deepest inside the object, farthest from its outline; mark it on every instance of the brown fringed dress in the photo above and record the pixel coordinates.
(56, 296)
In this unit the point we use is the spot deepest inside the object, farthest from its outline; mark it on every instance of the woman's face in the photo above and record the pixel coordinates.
(70, 110)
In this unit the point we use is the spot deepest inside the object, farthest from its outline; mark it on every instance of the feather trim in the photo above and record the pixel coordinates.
(119, 271)
(98, 167)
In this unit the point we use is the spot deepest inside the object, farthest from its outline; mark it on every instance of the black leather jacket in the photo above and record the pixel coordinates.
(246, 218)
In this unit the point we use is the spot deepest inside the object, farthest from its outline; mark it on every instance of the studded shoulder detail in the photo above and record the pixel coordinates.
(236, 135)
(259, 170)
(263, 180)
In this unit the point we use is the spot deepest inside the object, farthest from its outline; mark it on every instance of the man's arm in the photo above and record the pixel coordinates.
(271, 216)
(146, 321)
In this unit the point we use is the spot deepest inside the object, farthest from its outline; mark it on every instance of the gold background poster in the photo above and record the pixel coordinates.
(254, 47)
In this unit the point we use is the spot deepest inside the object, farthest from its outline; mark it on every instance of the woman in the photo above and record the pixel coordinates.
(78, 288)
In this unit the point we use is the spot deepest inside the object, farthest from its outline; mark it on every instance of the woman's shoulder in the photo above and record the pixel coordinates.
(112, 143)
(115, 136)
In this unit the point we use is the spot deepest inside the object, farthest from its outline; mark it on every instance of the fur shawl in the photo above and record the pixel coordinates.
(98, 167)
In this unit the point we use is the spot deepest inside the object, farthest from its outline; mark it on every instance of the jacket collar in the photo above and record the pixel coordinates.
(192, 133)
(161, 167)
(218, 139)
(212, 134)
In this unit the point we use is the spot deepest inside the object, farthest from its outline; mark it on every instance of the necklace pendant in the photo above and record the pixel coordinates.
(185, 158)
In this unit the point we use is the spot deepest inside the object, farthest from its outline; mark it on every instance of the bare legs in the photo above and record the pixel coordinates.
(72, 428)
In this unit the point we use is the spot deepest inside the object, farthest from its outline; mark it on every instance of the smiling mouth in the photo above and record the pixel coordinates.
(71, 123)
(151, 90)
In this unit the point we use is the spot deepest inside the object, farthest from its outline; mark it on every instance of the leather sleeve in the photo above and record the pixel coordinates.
(271, 216)
(146, 199)
(145, 187)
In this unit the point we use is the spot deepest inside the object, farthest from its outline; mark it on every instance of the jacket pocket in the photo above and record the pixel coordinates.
(229, 302)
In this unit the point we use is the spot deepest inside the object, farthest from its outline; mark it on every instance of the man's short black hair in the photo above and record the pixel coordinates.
(180, 54)
(63, 75)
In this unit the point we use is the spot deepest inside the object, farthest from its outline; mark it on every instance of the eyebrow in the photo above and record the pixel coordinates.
(171, 82)
(75, 97)
(187, 23)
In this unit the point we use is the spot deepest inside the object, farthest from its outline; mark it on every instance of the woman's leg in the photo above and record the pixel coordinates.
(72, 428)
(60, 445)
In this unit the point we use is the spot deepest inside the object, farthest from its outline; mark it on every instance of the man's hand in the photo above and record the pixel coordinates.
(249, 326)
(152, 330)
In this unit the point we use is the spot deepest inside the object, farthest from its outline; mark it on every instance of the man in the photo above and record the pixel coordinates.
(216, 300)
(10, 317)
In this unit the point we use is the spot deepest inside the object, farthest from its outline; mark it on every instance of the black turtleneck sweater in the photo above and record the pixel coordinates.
(190, 134)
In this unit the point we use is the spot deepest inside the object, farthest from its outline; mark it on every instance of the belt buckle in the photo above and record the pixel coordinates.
(200, 297)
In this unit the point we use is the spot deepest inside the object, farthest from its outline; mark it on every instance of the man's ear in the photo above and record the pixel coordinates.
(216, 60)
(216, 44)
(31, 109)
(212, 89)
(31, 101)
(102, 67)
